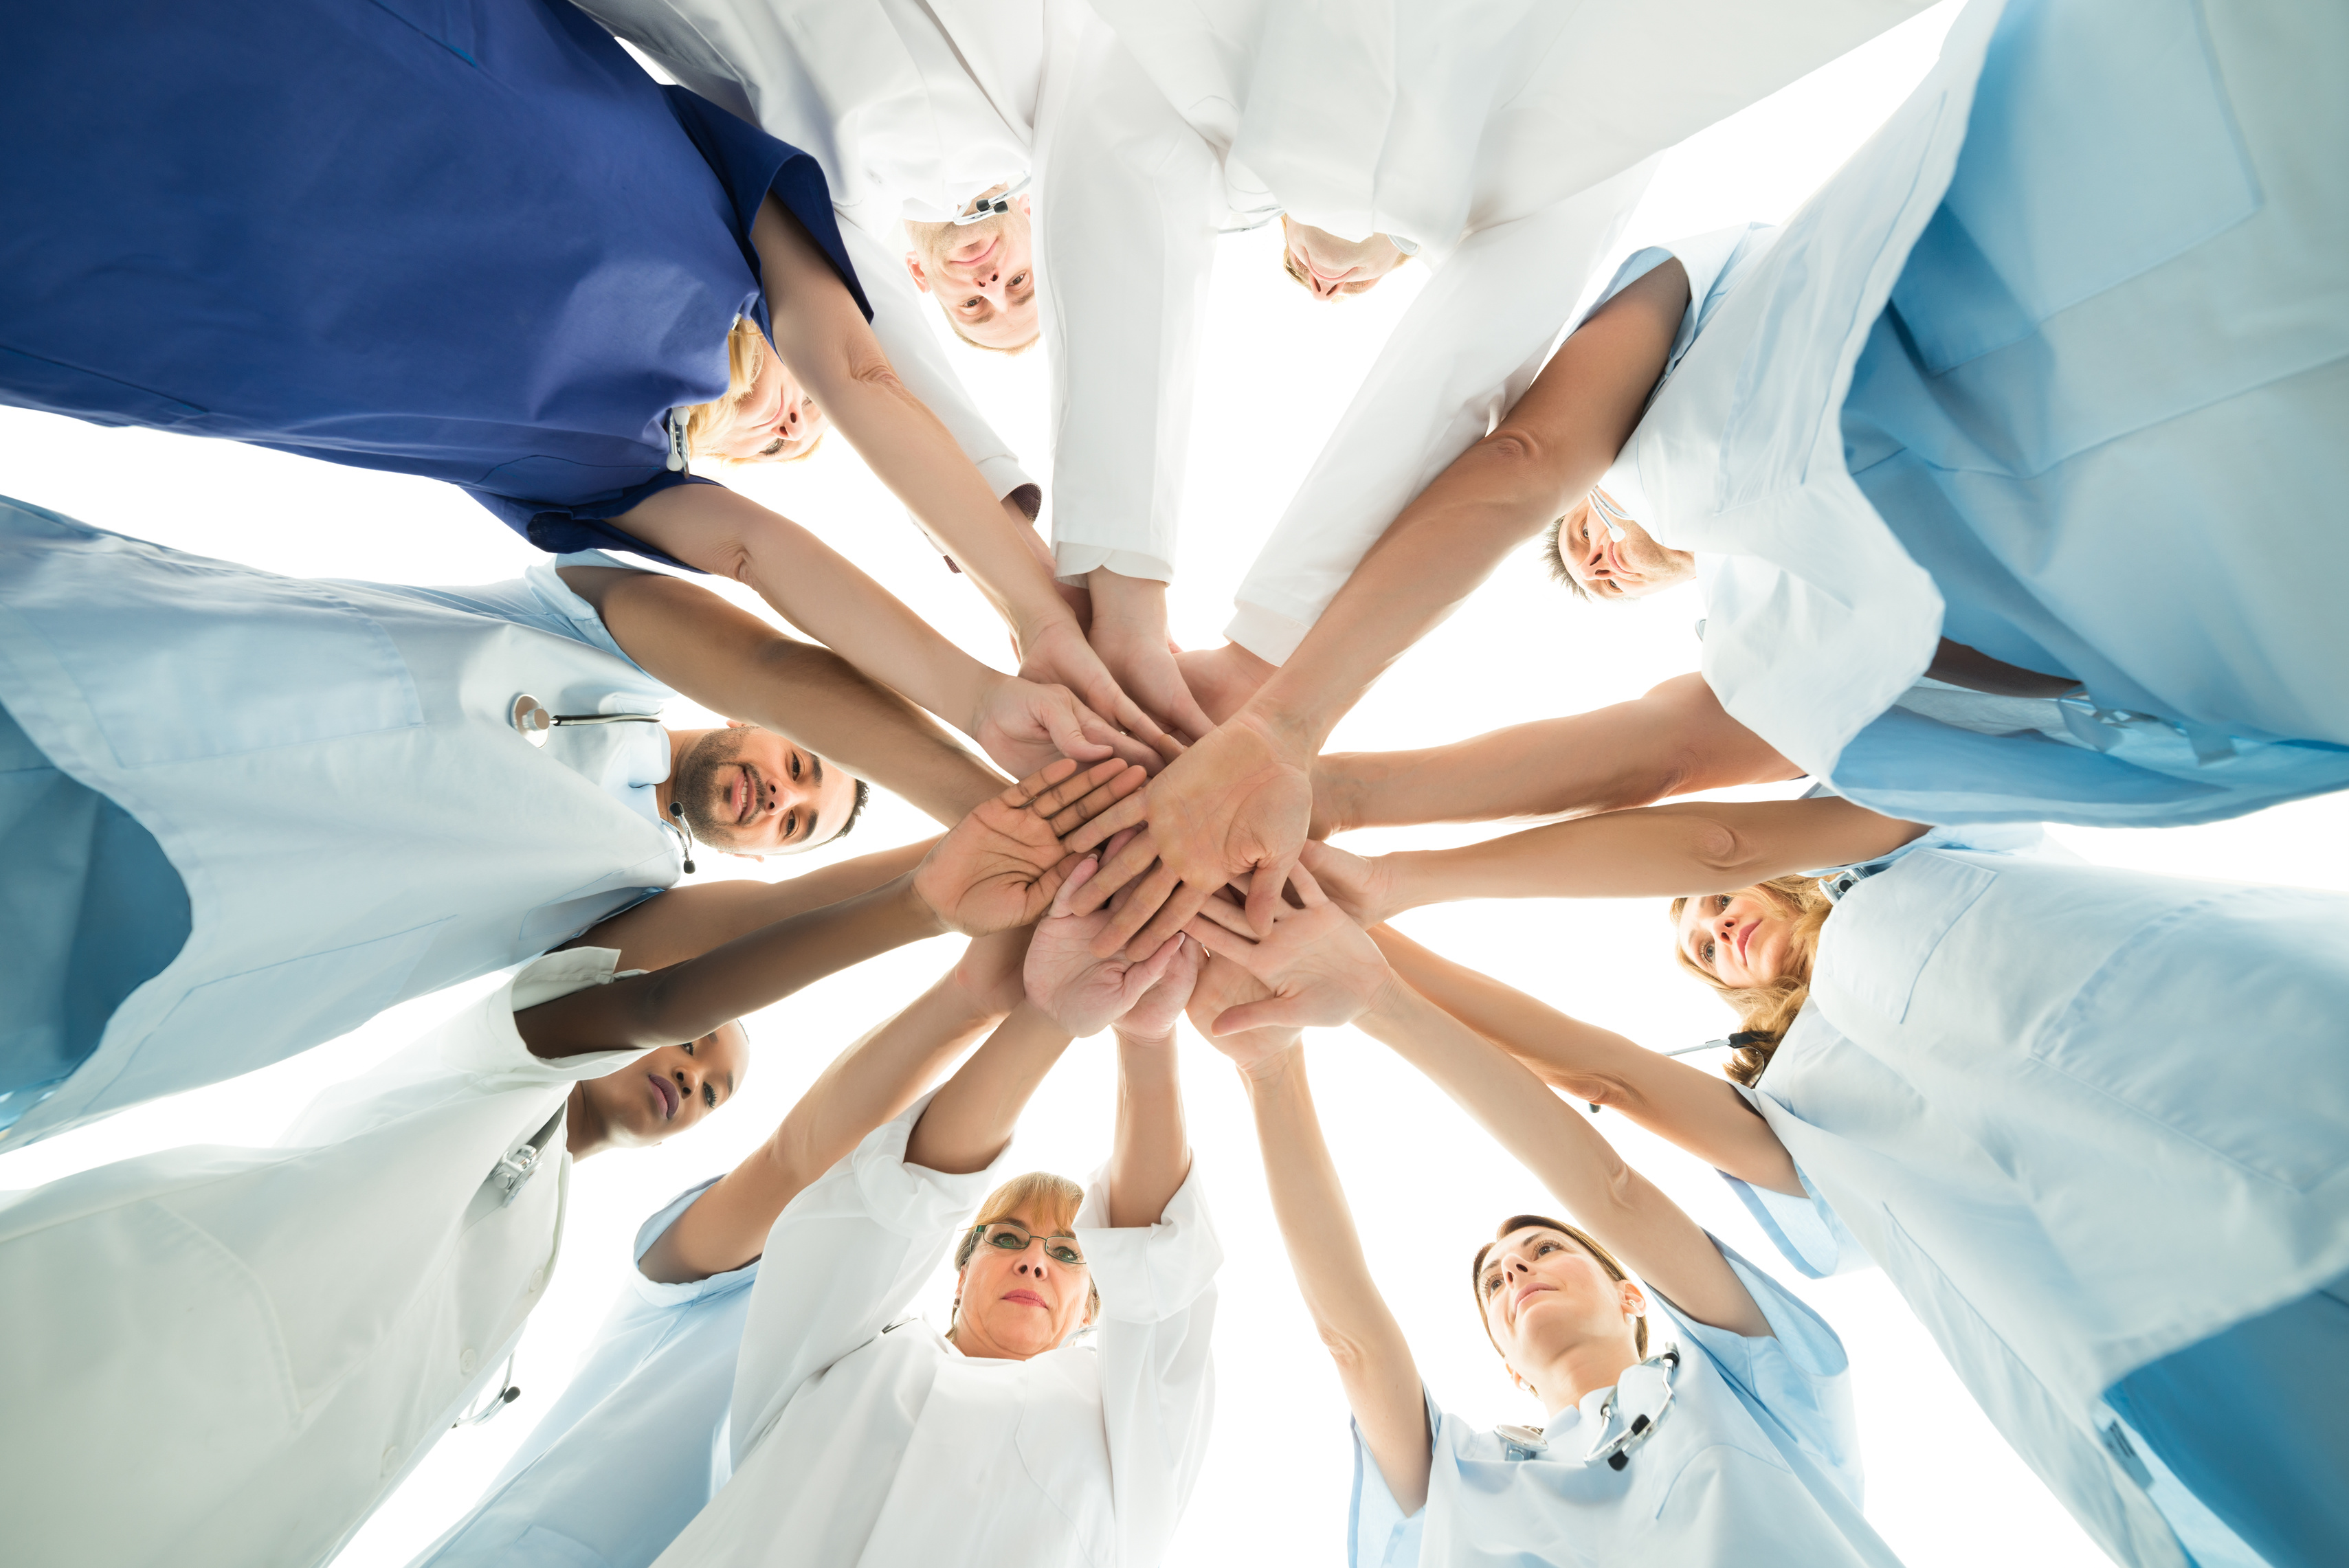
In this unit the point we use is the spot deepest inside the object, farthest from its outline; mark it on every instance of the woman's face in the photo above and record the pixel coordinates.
(774, 422)
(1330, 266)
(1021, 1303)
(668, 1090)
(1738, 938)
(1543, 1292)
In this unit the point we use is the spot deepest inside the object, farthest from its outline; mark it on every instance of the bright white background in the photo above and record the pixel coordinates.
(1425, 1185)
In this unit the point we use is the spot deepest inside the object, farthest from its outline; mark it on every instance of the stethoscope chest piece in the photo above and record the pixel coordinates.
(531, 719)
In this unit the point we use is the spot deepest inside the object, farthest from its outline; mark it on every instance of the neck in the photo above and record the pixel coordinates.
(585, 1130)
(973, 1342)
(1563, 1379)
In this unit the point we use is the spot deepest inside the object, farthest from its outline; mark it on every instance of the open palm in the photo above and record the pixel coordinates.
(1224, 985)
(1083, 993)
(1319, 968)
(1000, 865)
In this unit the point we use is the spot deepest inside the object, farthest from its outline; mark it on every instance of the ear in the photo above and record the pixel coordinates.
(745, 855)
(1025, 210)
(914, 268)
(1634, 1303)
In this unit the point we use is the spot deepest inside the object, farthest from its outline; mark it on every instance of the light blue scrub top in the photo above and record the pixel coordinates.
(635, 1446)
(1755, 1461)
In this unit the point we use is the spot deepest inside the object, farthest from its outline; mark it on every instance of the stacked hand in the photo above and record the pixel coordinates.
(990, 970)
(1224, 988)
(1317, 968)
(1058, 653)
(1001, 865)
(1237, 803)
(1023, 724)
(1084, 992)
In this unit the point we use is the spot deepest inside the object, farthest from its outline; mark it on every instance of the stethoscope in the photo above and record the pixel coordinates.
(1641, 1396)
(1613, 516)
(1735, 1042)
(534, 723)
(985, 207)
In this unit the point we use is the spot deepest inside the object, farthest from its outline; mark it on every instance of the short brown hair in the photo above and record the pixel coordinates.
(1767, 1011)
(1615, 1271)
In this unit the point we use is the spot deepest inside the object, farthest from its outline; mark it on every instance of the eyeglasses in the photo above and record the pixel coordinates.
(1011, 1236)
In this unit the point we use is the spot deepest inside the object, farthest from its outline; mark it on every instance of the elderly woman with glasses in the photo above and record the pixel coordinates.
(1061, 1415)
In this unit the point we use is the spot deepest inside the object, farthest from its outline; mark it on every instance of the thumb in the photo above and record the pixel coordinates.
(1270, 1013)
(1264, 892)
(1064, 722)
(1140, 977)
(1081, 874)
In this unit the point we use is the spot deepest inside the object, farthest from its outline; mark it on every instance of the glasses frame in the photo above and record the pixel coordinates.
(1074, 1246)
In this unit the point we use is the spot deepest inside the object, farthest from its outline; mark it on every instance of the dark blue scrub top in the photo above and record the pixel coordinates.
(465, 239)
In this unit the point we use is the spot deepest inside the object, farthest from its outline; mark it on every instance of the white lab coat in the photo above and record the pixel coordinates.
(330, 769)
(2083, 1118)
(229, 1357)
(861, 1438)
(1754, 1462)
(1505, 141)
(910, 109)
(634, 1445)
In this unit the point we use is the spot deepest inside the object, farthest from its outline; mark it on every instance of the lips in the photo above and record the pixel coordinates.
(1528, 1294)
(981, 260)
(1744, 939)
(744, 795)
(667, 1093)
(1027, 1297)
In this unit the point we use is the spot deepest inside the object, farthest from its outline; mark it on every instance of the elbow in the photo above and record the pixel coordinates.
(1721, 851)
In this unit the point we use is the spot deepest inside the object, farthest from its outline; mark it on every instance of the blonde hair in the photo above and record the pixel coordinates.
(1766, 1012)
(1055, 1197)
(705, 422)
(1606, 1260)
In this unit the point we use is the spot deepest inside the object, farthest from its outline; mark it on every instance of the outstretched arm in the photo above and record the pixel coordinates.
(1239, 801)
(688, 921)
(1659, 851)
(730, 662)
(1374, 1363)
(871, 1082)
(1675, 740)
(1700, 1113)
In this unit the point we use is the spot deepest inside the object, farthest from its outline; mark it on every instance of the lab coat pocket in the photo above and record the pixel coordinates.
(1879, 940)
(178, 659)
(2220, 1021)
(139, 1355)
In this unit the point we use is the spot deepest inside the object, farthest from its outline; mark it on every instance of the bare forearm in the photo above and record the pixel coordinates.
(967, 1125)
(1652, 851)
(688, 921)
(1674, 740)
(1325, 1251)
(1697, 1111)
(1151, 1156)
(687, 1000)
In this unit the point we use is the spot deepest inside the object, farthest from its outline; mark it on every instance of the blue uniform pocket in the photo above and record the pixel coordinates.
(1876, 959)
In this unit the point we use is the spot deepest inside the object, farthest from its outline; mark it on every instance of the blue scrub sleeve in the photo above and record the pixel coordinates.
(750, 163)
(1377, 1534)
(657, 1292)
(567, 529)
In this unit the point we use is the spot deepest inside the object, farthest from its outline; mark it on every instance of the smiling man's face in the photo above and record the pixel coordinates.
(750, 791)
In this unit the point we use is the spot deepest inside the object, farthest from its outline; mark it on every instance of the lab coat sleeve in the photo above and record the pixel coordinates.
(902, 321)
(847, 1254)
(1460, 358)
(1797, 1379)
(1157, 1285)
(1126, 205)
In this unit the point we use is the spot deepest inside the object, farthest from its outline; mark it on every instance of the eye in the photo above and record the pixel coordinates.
(687, 1048)
(1009, 1241)
(795, 765)
(1492, 1282)
(1546, 1247)
(790, 825)
(1704, 952)
(709, 1096)
(1062, 1253)
(772, 447)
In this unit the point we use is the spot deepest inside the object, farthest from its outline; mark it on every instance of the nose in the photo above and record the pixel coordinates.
(688, 1089)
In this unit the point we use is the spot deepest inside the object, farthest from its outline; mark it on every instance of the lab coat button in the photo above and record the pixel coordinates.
(537, 1278)
(467, 1361)
(391, 1461)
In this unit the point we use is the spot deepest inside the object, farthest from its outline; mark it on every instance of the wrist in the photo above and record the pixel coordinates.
(1275, 1070)
(1129, 601)
(906, 893)
(1337, 794)
(1143, 1040)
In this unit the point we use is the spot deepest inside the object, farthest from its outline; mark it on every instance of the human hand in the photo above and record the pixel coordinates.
(1129, 632)
(1023, 725)
(988, 972)
(1223, 987)
(1000, 866)
(1362, 885)
(1057, 651)
(1236, 803)
(1152, 1017)
(1319, 968)
(1079, 991)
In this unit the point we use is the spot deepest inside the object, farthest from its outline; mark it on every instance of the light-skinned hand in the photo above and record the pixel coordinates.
(1234, 806)
(989, 971)
(1000, 866)
(1224, 987)
(1362, 885)
(1136, 652)
(1069, 984)
(1057, 654)
(1022, 725)
(1320, 968)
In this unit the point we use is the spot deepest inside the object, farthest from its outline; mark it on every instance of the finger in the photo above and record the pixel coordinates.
(1119, 843)
(1017, 795)
(1148, 900)
(1126, 747)
(1128, 779)
(1223, 912)
(1219, 943)
(1126, 813)
(1271, 1013)
(1064, 721)
(1128, 864)
(1178, 910)
(1263, 892)
(1169, 746)
(1140, 977)
(1077, 878)
(1307, 888)
(1075, 787)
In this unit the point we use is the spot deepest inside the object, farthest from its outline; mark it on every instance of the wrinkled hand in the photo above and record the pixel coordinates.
(1224, 985)
(988, 972)
(1363, 886)
(1141, 659)
(1320, 968)
(1058, 653)
(1233, 804)
(1081, 992)
(1000, 865)
(1153, 1018)
(1023, 725)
